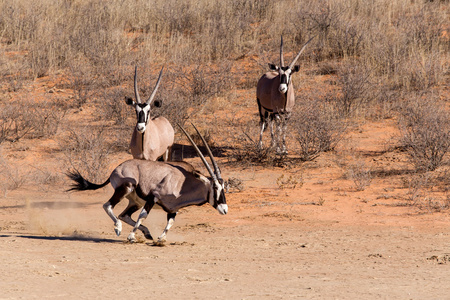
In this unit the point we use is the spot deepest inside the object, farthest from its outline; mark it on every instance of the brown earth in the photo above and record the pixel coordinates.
(298, 232)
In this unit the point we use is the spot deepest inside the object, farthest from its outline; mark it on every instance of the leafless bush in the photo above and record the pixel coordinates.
(190, 91)
(316, 128)
(11, 177)
(13, 123)
(360, 174)
(419, 185)
(35, 121)
(233, 185)
(88, 151)
(246, 151)
(80, 80)
(356, 88)
(425, 132)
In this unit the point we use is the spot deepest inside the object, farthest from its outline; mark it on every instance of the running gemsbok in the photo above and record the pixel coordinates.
(276, 99)
(151, 138)
(168, 184)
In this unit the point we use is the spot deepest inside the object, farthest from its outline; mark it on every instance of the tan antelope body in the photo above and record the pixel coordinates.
(155, 142)
(168, 184)
(276, 98)
(152, 138)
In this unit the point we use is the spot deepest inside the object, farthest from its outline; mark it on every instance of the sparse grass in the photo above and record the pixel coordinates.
(289, 182)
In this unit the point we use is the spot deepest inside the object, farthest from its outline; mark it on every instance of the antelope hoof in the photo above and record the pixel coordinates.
(282, 151)
(118, 228)
(147, 235)
(161, 240)
(131, 238)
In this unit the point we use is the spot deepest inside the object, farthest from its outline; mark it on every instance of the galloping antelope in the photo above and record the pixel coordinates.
(170, 185)
(151, 138)
(276, 99)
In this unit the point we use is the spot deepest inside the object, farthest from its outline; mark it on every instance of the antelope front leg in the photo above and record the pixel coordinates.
(272, 133)
(167, 156)
(263, 127)
(170, 221)
(283, 130)
(117, 224)
(118, 195)
(278, 132)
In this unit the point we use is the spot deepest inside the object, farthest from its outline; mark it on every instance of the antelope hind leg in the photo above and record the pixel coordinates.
(142, 216)
(126, 217)
(170, 221)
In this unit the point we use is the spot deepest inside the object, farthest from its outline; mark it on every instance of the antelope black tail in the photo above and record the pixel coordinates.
(81, 184)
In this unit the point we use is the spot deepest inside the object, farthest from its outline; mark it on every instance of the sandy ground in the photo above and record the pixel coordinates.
(312, 242)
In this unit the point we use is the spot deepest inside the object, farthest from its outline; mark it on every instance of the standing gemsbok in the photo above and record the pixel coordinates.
(151, 138)
(276, 99)
(170, 185)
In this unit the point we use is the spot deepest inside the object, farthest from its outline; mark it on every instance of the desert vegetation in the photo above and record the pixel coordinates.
(66, 66)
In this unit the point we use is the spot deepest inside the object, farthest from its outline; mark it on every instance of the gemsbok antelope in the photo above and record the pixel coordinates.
(170, 185)
(152, 138)
(276, 99)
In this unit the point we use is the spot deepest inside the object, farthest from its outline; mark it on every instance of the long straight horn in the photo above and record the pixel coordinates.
(208, 167)
(136, 92)
(298, 55)
(216, 167)
(150, 99)
(281, 53)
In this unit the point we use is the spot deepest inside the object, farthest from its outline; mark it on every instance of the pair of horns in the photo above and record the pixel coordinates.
(216, 174)
(298, 55)
(136, 92)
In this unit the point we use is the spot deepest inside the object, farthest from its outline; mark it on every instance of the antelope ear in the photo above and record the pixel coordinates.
(157, 103)
(273, 67)
(296, 68)
(129, 101)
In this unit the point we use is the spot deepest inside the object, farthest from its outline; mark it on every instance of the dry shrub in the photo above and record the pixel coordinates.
(360, 174)
(289, 182)
(234, 185)
(36, 121)
(418, 194)
(356, 88)
(87, 151)
(316, 128)
(245, 150)
(12, 177)
(425, 132)
(190, 90)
